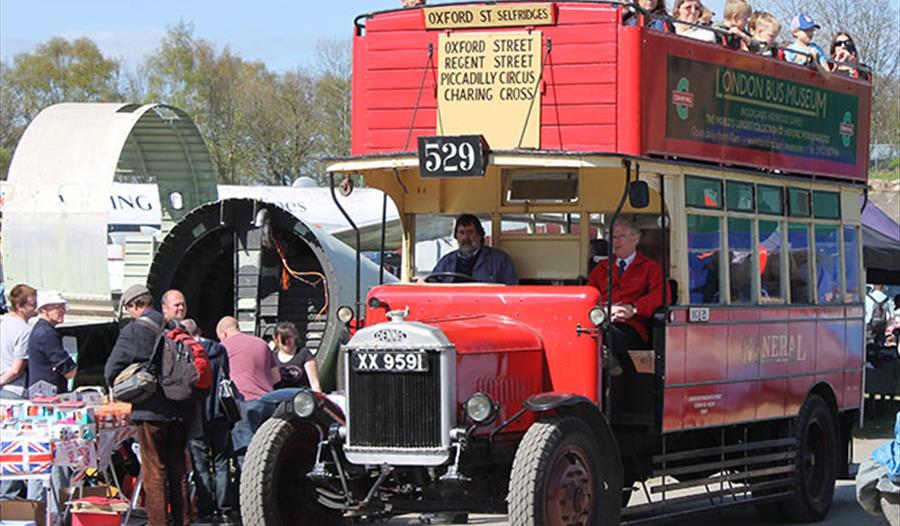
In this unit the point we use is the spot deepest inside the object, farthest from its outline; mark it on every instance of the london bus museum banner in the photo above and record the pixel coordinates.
(728, 113)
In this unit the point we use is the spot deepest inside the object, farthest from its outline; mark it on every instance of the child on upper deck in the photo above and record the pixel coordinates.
(764, 28)
(737, 14)
(804, 51)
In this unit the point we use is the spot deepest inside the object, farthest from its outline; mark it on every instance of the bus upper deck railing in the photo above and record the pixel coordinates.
(630, 10)
(592, 77)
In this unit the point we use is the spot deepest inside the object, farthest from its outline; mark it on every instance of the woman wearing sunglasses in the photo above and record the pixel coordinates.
(844, 56)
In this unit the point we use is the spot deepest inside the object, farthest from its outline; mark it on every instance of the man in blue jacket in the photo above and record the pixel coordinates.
(484, 264)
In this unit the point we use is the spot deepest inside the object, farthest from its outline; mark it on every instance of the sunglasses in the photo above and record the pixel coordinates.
(847, 44)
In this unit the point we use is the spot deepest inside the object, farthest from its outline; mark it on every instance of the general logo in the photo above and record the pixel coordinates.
(847, 129)
(682, 98)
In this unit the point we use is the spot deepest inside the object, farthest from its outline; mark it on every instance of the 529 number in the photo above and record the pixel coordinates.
(454, 156)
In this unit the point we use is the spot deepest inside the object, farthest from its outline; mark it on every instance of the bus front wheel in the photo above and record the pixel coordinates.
(557, 477)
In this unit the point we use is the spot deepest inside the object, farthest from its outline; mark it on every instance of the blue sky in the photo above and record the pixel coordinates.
(282, 34)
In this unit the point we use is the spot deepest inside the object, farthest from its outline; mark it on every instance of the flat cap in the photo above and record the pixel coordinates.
(132, 293)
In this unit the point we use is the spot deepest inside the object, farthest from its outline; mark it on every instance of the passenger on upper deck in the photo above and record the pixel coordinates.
(637, 283)
(412, 3)
(844, 57)
(765, 28)
(804, 51)
(737, 14)
(485, 264)
(656, 17)
(689, 11)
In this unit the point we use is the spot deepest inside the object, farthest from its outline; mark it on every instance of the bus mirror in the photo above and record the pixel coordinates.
(639, 194)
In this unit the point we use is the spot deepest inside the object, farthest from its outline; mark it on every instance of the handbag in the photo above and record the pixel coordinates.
(228, 400)
(138, 382)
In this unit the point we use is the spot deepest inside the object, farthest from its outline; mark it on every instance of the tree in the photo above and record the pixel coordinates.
(333, 92)
(873, 26)
(57, 71)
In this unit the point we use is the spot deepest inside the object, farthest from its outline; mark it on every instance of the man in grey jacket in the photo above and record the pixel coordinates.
(481, 263)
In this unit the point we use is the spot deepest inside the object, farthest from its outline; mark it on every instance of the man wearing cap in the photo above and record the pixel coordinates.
(804, 51)
(48, 361)
(160, 421)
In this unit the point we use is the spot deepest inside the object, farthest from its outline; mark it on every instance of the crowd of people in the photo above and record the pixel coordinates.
(745, 29)
(176, 438)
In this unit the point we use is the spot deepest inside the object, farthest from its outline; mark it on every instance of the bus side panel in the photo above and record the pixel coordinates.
(830, 342)
(801, 348)
(673, 402)
(742, 364)
(854, 355)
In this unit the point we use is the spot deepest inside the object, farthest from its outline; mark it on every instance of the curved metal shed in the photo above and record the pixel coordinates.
(58, 191)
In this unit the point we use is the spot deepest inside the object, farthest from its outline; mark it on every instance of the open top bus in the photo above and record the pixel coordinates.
(550, 121)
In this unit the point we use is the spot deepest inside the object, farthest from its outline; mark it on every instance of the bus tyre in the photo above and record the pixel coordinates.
(274, 488)
(816, 463)
(557, 477)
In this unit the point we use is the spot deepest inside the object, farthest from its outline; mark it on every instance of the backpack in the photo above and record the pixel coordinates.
(879, 321)
(185, 374)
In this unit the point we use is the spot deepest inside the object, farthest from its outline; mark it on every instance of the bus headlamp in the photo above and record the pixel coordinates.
(597, 315)
(304, 403)
(480, 408)
(345, 314)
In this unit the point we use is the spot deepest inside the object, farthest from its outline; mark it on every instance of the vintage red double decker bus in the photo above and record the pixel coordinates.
(551, 121)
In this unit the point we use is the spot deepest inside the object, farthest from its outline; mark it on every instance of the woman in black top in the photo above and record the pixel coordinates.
(297, 366)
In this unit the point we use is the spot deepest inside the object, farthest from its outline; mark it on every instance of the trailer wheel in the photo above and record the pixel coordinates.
(557, 477)
(816, 463)
(274, 488)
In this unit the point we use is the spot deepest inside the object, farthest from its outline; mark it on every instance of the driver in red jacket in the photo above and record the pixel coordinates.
(636, 294)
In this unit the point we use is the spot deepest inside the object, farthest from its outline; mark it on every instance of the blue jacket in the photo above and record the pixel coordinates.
(218, 362)
(491, 266)
(888, 454)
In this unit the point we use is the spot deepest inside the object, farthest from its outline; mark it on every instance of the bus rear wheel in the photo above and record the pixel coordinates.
(556, 478)
(816, 463)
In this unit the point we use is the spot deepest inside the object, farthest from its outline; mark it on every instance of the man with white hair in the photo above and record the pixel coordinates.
(48, 361)
(637, 283)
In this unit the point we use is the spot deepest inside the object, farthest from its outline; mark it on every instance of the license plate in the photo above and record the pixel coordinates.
(390, 362)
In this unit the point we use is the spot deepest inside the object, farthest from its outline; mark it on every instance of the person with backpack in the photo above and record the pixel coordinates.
(212, 451)
(160, 422)
(879, 309)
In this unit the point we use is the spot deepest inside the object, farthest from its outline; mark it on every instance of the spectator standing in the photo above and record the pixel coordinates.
(253, 371)
(159, 421)
(765, 28)
(878, 310)
(737, 15)
(211, 452)
(48, 361)
(14, 331)
(803, 50)
(297, 366)
(174, 307)
(688, 12)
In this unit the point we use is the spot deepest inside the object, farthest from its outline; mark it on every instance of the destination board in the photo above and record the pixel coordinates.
(503, 15)
(488, 84)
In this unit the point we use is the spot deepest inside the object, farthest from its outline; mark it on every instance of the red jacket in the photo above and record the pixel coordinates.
(641, 285)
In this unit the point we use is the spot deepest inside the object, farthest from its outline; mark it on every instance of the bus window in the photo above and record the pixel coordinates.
(558, 223)
(851, 264)
(739, 196)
(798, 202)
(540, 186)
(740, 259)
(826, 205)
(704, 247)
(828, 264)
(798, 255)
(770, 199)
(702, 192)
(770, 262)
